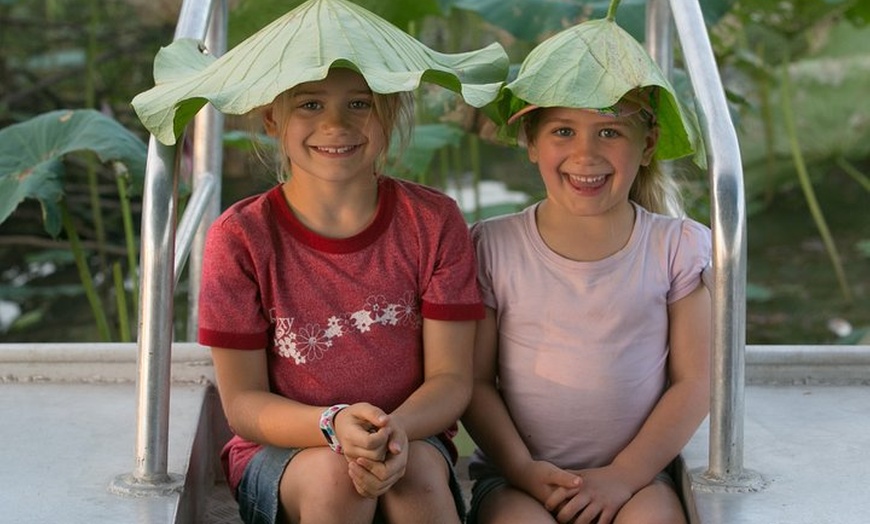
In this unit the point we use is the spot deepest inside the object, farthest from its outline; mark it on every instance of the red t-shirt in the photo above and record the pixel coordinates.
(341, 319)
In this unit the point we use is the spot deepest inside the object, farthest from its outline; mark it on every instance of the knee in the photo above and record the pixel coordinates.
(658, 503)
(426, 471)
(316, 488)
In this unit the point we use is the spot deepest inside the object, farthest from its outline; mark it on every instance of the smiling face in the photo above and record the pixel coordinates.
(588, 160)
(329, 129)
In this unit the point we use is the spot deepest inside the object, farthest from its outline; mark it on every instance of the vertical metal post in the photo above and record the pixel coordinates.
(159, 208)
(207, 158)
(659, 35)
(660, 45)
(728, 224)
(157, 266)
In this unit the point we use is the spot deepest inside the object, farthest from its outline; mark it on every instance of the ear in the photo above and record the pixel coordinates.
(533, 152)
(651, 140)
(269, 123)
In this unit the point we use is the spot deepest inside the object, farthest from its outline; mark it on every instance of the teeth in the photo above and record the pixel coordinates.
(587, 179)
(336, 150)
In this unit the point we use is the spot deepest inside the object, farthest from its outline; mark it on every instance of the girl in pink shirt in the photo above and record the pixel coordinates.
(592, 364)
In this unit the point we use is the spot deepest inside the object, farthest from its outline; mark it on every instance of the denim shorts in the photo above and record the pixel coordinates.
(258, 489)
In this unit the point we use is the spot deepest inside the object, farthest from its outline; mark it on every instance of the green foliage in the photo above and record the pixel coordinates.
(798, 71)
(31, 157)
(416, 161)
(46, 48)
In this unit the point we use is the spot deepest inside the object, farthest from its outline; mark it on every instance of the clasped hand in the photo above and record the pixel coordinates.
(576, 497)
(375, 447)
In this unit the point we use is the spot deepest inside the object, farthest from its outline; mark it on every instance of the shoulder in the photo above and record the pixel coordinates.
(500, 226)
(425, 209)
(251, 209)
(419, 193)
(678, 229)
(245, 220)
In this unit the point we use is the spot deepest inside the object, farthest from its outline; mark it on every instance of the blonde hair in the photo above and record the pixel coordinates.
(654, 188)
(394, 111)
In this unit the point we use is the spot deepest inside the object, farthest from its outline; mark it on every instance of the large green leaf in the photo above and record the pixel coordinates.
(31, 156)
(592, 65)
(300, 47)
(427, 140)
(248, 17)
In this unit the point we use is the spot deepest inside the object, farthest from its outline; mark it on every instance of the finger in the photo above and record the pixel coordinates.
(558, 497)
(564, 479)
(568, 514)
(586, 515)
(372, 416)
(374, 467)
(606, 516)
(365, 483)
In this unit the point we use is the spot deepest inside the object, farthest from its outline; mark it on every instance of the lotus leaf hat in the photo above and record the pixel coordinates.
(301, 46)
(593, 65)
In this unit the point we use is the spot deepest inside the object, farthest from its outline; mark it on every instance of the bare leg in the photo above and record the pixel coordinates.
(657, 503)
(422, 495)
(316, 489)
(506, 505)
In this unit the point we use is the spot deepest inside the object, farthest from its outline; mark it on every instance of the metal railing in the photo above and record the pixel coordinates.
(728, 224)
(163, 257)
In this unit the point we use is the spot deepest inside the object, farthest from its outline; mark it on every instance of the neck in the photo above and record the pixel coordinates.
(333, 210)
(585, 238)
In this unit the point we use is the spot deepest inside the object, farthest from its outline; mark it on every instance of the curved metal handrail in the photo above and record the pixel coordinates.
(163, 256)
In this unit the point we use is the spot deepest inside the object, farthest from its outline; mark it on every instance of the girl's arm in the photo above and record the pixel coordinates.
(669, 426)
(256, 414)
(253, 412)
(446, 388)
(685, 403)
(429, 410)
(490, 425)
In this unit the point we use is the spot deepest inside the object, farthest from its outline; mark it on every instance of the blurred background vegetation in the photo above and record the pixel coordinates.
(795, 72)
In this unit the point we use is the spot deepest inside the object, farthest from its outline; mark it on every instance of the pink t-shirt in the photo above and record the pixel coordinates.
(341, 319)
(583, 345)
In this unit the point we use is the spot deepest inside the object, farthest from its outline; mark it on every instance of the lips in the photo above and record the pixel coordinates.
(337, 150)
(587, 182)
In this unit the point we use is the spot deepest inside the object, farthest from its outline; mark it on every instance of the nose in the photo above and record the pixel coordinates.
(583, 148)
(334, 118)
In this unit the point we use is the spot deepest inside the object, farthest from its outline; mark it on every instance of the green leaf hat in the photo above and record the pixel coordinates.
(592, 65)
(301, 46)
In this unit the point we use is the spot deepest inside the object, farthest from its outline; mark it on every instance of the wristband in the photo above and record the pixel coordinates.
(327, 426)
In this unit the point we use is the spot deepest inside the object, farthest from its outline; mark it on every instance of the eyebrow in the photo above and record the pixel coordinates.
(316, 92)
(611, 121)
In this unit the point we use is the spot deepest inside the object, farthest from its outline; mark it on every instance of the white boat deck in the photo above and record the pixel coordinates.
(69, 420)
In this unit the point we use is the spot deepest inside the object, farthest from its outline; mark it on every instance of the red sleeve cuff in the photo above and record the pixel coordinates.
(208, 337)
(474, 311)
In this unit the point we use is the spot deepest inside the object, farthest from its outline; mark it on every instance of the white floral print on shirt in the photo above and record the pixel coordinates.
(311, 341)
